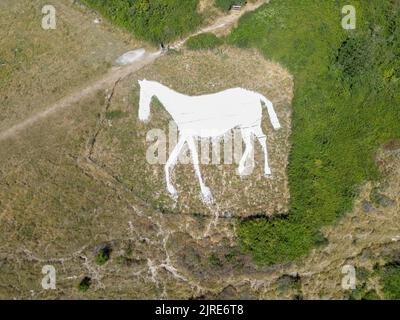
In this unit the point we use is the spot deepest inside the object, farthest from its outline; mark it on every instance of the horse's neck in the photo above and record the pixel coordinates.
(166, 96)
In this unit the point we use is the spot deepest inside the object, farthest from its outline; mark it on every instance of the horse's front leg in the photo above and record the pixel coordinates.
(205, 191)
(173, 158)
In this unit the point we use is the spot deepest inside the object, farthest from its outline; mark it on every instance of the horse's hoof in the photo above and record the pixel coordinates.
(174, 196)
(206, 195)
(173, 193)
(241, 171)
(268, 176)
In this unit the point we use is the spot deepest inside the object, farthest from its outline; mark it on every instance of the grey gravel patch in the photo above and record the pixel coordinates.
(380, 199)
(386, 202)
(227, 215)
(130, 57)
(367, 207)
(288, 280)
(107, 247)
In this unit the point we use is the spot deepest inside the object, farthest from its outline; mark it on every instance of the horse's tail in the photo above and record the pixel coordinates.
(271, 112)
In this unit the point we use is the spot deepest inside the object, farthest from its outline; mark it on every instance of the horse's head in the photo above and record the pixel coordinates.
(145, 100)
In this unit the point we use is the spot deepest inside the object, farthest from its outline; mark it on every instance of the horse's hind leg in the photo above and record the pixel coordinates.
(262, 138)
(170, 165)
(246, 135)
(205, 191)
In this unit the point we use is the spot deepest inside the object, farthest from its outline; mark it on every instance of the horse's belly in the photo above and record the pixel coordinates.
(213, 120)
(208, 128)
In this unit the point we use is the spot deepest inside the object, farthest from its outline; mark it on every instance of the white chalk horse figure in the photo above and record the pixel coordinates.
(209, 116)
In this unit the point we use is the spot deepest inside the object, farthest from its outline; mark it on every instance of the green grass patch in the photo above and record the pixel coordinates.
(115, 115)
(204, 41)
(346, 105)
(215, 261)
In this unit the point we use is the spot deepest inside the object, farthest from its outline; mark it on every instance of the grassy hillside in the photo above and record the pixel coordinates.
(76, 193)
(346, 104)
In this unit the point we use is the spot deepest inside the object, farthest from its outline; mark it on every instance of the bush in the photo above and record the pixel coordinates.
(354, 56)
(103, 254)
(226, 5)
(85, 284)
(390, 278)
(156, 20)
(204, 41)
(215, 261)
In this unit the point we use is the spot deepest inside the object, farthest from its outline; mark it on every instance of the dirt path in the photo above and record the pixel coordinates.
(108, 80)
(224, 22)
(117, 73)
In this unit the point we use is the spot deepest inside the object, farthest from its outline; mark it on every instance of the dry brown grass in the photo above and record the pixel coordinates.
(38, 66)
(206, 5)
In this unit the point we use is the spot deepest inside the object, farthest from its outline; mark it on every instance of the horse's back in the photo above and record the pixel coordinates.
(221, 111)
(235, 101)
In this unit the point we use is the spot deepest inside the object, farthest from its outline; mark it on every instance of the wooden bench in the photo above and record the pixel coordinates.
(236, 8)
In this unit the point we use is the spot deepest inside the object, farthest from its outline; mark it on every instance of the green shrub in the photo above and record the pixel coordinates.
(390, 278)
(204, 41)
(103, 254)
(85, 284)
(156, 20)
(354, 56)
(226, 5)
(362, 294)
(215, 261)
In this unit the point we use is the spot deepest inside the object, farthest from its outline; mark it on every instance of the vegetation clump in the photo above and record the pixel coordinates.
(85, 284)
(215, 261)
(157, 21)
(204, 41)
(390, 279)
(103, 254)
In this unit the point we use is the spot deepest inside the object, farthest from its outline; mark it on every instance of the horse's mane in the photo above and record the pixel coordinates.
(164, 87)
